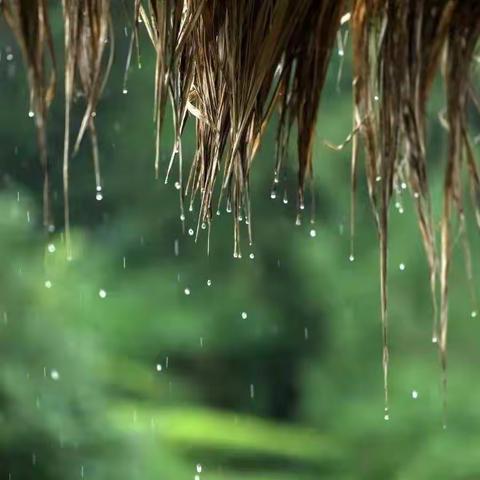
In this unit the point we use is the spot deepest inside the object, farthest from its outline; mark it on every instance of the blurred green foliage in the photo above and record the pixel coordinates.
(109, 370)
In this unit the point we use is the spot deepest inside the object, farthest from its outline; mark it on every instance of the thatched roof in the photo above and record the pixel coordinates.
(230, 64)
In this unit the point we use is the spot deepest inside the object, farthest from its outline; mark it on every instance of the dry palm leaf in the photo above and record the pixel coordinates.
(229, 65)
(29, 22)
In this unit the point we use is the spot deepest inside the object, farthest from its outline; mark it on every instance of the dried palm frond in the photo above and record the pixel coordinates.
(29, 22)
(87, 31)
(229, 65)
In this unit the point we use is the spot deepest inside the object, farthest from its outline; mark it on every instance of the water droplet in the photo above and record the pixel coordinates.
(48, 284)
(403, 185)
(204, 226)
(99, 197)
(351, 258)
(159, 367)
(313, 233)
(376, 98)
(298, 221)
(378, 178)
(473, 314)
(177, 185)
(54, 375)
(252, 256)
(386, 417)
(273, 195)
(182, 217)
(187, 291)
(31, 114)
(51, 248)
(99, 188)
(102, 293)
(252, 390)
(199, 468)
(244, 315)
(209, 283)
(400, 210)
(434, 339)
(190, 231)
(9, 57)
(402, 267)
(414, 394)
(124, 91)
(124, 263)
(302, 206)
(197, 477)
(305, 333)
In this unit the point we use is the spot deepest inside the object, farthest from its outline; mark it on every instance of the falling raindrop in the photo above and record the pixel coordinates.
(51, 248)
(102, 293)
(159, 367)
(31, 114)
(190, 231)
(252, 256)
(54, 375)
(201, 342)
(414, 394)
(313, 233)
(305, 333)
(209, 283)
(124, 263)
(124, 91)
(252, 390)
(48, 284)
(182, 217)
(176, 247)
(199, 468)
(244, 315)
(177, 185)
(99, 196)
(187, 291)
(403, 186)
(473, 314)
(386, 417)
(434, 339)
(351, 258)
(402, 267)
